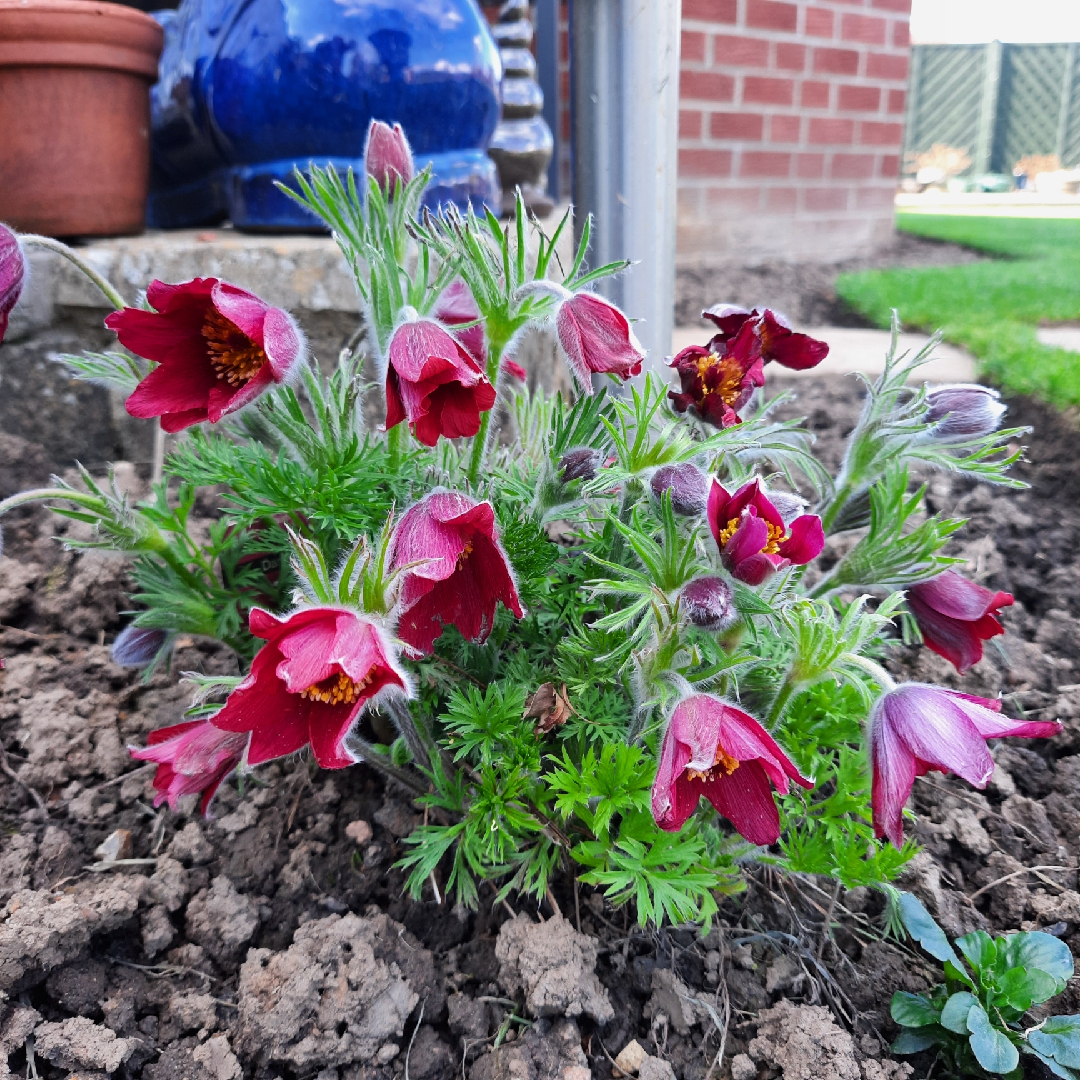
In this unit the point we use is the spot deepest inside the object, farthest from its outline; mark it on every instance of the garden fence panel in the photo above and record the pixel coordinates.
(999, 102)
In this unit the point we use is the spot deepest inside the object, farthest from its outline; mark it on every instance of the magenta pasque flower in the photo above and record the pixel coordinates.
(754, 539)
(217, 348)
(12, 275)
(456, 308)
(955, 616)
(434, 383)
(192, 758)
(387, 156)
(718, 380)
(916, 727)
(596, 338)
(319, 667)
(963, 411)
(777, 341)
(461, 572)
(713, 749)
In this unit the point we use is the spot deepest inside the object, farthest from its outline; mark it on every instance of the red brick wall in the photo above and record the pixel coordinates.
(791, 123)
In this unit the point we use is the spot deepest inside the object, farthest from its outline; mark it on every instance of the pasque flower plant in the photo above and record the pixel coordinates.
(555, 622)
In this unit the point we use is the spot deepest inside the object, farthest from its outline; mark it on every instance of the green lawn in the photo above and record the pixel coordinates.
(990, 308)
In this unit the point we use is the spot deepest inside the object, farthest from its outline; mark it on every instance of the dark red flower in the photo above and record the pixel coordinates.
(955, 616)
(754, 539)
(462, 570)
(718, 381)
(596, 338)
(216, 347)
(307, 685)
(916, 727)
(12, 275)
(456, 307)
(711, 748)
(193, 757)
(778, 341)
(434, 383)
(387, 156)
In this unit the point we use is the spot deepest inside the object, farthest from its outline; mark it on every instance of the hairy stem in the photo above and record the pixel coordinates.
(72, 257)
(393, 445)
(370, 756)
(832, 511)
(480, 439)
(780, 702)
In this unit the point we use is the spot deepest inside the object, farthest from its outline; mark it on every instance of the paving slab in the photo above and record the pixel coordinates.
(1062, 337)
(854, 349)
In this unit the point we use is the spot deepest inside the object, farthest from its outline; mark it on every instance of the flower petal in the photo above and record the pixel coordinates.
(805, 542)
(745, 798)
(893, 776)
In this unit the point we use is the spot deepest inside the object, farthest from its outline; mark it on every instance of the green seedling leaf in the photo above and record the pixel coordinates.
(954, 1015)
(979, 949)
(1022, 989)
(1058, 1038)
(1038, 950)
(913, 1010)
(992, 1049)
(921, 926)
(1055, 1066)
(916, 1040)
(957, 974)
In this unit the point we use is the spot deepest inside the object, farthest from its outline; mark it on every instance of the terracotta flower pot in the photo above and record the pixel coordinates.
(75, 77)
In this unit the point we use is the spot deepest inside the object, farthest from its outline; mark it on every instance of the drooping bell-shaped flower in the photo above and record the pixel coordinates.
(754, 539)
(917, 727)
(777, 340)
(963, 411)
(217, 348)
(12, 275)
(137, 646)
(319, 667)
(719, 379)
(456, 308)
(192, 758)
(955, 616)
(688, 485)
(708, 603)
(461, 571)
(596, 338)
(434, 383)
(713, 749)
(387, 156)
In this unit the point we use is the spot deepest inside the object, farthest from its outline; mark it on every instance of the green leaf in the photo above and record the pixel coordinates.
(1022, 989)
(1059, 1038)
(954, 1015)
(1055, 1066)
(979, 950)
(1042, 951)
(917, 1040)
(921, 926)
(992, 1049)
(913, 1010)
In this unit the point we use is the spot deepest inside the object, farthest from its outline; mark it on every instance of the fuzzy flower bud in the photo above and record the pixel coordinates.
(964, 410)
(579, 464)
(136, 646)
(387, 156)
(12, 275)
(688, 485)
(708, 603)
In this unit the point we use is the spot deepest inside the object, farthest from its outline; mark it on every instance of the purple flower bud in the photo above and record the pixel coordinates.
(708, 603)
(387, 156)
(964, 410)
(579, 464)
(12, 275)
(136, 646)
(688, 485)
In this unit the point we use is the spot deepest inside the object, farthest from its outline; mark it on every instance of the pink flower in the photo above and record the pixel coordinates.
(711, 748)
(12, 275)
(916, 728)
(596, 338)
(753, 538)
(307, 685)
(463, 572)
(216, 347)
(456, 307)
(434, 383)
(777, 340)
(193, 757)
(387, 156)
(955, 616)
(718, 381)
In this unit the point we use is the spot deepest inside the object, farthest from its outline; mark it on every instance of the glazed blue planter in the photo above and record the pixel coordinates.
(250, 89)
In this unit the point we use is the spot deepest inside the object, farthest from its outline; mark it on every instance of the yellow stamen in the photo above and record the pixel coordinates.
(234, 356)
(338, 689)
(731, 378)
(772, 545)
(723, 760)
(465, 553)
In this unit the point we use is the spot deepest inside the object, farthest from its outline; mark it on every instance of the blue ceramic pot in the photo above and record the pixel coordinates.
(249, 89)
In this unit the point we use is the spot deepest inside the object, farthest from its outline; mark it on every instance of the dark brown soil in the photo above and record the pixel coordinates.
(163, 940)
